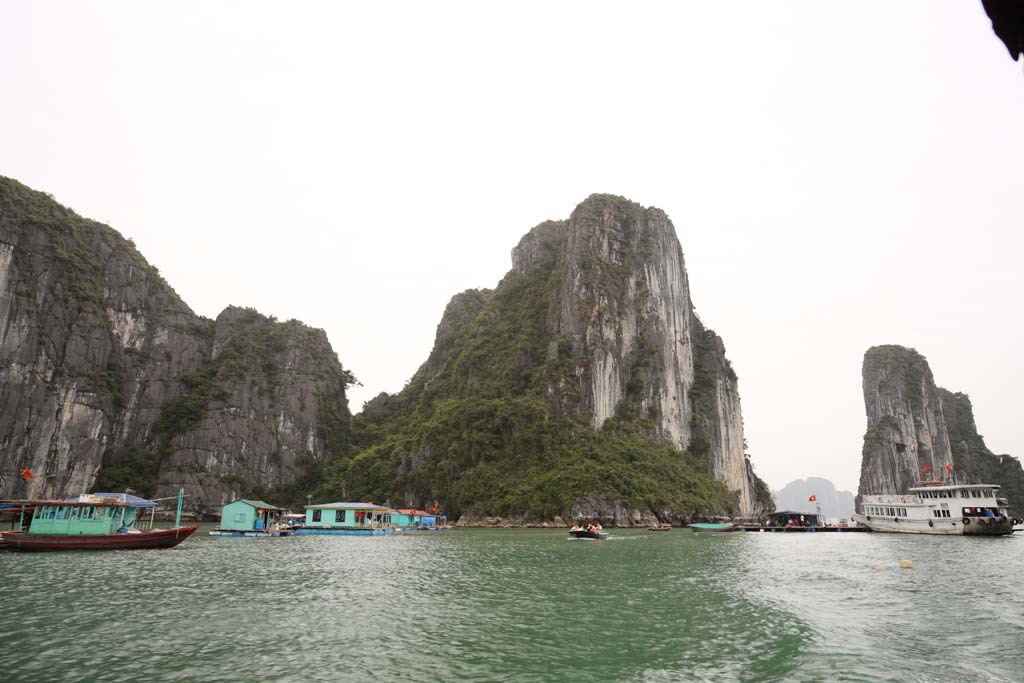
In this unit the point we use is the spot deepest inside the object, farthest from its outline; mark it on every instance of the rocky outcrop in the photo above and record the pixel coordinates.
(906, 430)
(592, 332)
(972, 459)
(623, 306)
(107, 376)
(918, 431)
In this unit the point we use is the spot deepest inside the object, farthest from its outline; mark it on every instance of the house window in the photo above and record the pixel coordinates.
(339, 515)
(316, 515)
(240, 517)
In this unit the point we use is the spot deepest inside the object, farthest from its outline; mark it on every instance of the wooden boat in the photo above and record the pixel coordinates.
(106, 521)
(707, 526)
(161, 538)
(660, 527)
(589, 535)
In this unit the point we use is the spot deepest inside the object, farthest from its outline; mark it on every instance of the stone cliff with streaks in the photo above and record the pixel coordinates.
(583, 385)
(108, 379)
(915, 425)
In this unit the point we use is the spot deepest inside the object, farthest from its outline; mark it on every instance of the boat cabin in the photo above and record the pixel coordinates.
(250, 515)
(938, 501)
(87, 515)
(347, 518)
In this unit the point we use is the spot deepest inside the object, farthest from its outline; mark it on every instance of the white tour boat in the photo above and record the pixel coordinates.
(937, 508)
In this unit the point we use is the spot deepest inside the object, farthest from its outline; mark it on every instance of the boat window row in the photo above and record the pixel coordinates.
(958, 493)
(886, 511)
(73, 512)
(940, 513)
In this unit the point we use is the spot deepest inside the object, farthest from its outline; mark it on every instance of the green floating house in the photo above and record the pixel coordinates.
(348, 519)
(251, 518)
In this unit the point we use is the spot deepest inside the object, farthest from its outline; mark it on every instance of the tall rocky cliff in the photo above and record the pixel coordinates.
(573, 388)
(109, 380)
(914, 424)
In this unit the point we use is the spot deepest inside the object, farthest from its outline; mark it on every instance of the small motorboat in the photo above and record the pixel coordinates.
(707, 526)
(589, 535)
(660, 527)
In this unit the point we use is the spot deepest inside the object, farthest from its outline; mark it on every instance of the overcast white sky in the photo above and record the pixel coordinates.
(840, 174)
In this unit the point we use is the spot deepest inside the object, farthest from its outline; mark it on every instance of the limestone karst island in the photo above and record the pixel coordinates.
(583, 386)
(577, 342)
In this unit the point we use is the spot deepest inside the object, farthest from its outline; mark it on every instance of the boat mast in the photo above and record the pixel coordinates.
(177, 515)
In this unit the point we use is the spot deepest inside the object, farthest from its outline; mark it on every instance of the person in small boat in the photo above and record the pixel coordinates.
(598, 527)
(575, 527)
(591, 528)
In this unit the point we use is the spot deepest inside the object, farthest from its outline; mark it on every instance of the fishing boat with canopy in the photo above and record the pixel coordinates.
(100, 521)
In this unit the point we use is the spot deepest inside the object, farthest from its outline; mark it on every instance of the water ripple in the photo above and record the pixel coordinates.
(527, 605)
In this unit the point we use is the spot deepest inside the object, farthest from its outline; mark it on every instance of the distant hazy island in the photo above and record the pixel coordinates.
(796, 496)
(583, 385)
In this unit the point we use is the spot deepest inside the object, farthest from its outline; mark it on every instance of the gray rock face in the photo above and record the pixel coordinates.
(102, 363)
(906, 429)
(624, 305)
(914, 424)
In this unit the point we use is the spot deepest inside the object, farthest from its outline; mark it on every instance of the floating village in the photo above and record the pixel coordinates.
(122, 521)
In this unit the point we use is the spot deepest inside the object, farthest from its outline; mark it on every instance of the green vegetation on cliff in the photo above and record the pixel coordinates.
(974, 461)
(477, 429)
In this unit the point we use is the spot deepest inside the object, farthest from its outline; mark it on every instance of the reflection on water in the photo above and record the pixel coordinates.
(522, 605)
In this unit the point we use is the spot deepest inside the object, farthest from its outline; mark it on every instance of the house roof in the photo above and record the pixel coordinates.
(413, 512)
(257, 504)
(346, 506)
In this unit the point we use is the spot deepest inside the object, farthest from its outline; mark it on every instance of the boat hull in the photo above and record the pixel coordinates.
(167, 538)
(976, 526)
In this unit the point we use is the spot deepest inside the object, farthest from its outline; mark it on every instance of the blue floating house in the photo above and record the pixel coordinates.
(347, 519)
(251, 518)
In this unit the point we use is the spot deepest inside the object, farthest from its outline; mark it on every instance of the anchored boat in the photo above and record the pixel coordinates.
(103, 521)
(936, 508)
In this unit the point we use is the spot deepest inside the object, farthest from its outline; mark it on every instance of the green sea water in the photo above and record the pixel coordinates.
(520, 605)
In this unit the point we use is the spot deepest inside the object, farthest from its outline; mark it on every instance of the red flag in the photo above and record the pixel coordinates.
(812, 498)
(927, 467)
(26, 474)
(949, 468)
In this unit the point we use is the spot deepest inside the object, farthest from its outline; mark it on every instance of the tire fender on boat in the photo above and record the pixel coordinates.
(931, 523)
(966, 520)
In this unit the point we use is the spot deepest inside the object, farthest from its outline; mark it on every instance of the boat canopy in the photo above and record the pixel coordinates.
(934, 486)
(125, 499)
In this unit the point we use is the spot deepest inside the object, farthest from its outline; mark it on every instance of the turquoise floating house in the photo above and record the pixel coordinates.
(418, 520)
(251, 518)
(347, 519)
(407, 519)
